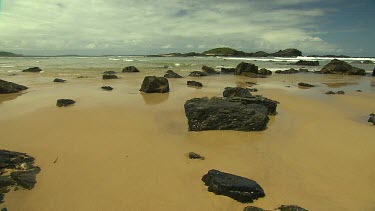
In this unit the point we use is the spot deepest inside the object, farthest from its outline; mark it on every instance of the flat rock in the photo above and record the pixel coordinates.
(307, 63)
(109, 76)
(221, 114)
(193, 155)
(194, 83)
(171, 74)
(302, 84)
(236, 92)
(238, 188)
(64, 102)
(153, 84)
(197, 74)
(372, 118)
(107, 88)
(341, 67)
(7, 87)
(32, 70)
(59, 80)
(130, 69)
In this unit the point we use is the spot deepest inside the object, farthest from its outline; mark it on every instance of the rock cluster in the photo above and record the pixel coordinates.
(282, 208)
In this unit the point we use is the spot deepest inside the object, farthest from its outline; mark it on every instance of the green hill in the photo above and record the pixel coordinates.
(224, 52)
(8, 54)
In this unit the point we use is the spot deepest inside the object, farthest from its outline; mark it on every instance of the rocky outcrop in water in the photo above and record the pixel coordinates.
(209, 70)
(109, 76)
(197, 74)
(341, 67)
(33, 70)
(372, 118)
(307, 63)
(64, 102)
(305, 85)
(130, 69)
(238, 188)
(7, 87)
(17, 170)
(59, 80)
(171, 74)
(153, 84)
(194, 84)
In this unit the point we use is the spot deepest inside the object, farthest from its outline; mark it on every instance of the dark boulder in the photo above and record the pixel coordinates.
(372, 118)
(303, 70)
(271, 105)
(193, 155)
(107, 88)
(290, 208)
(171, 74)
(59, 80)
(289, 71)
(109, 72)
(307, 63)
(194, 83)
(64, 102)
(238, 188)
(236, 92)
(341, 67)
(373, 72)
(109, 76)
(301, 84)
(251, 208)
(264, 71)
(130, 69)
(244, 67)
(32, 70)
(9, 87)
(330, 93)
(197, 74)
(209, 70)
(153, 84)
(25, 179)
(227, 70)
(340, 92)
(222, 114)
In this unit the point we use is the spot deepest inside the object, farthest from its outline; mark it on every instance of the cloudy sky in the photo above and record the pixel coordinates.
(96, 27)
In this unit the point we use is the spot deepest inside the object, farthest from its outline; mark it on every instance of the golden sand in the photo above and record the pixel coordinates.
(122, 150)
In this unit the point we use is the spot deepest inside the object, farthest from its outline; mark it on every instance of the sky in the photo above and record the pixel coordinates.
(128, 27)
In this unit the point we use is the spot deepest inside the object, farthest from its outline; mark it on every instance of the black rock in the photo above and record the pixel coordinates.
(290, 71)
(109, 72)
(340, 92)
(330, 93)
(372, 118)
(6, 181)
(153, 84)
(253, 75)
(307, 63)
(1, 198)
(251, 208)
(171, 74)
(271, 105)
(32, 70)
(222, 114)
(130, 69)
(107, 76)
(252, 89)
(194, 83)
(4, 209)
(238, 188)
(291, 208)
(193, 155)
(236, 92)
(64, 102)
(165, 66)
(108, 88)
(59, 80)
(209, 70)
(301, 84)
(341, 67)
(264, 71)
(25, 179)
(244, 67)
(303, 70)
(82, 76)
(227, 70)
(197, 74)
(373, 72)
(9, 87)
(358, 90)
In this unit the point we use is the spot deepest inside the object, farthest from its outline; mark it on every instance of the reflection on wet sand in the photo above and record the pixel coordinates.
(7, 97)
(154, 98)
(340, 84)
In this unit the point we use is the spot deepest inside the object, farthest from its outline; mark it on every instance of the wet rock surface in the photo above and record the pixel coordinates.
(130, 69)
(109, 76)
(107, 88)
(64, 102)
(194, 84)
(238, 188)
(209, 70)
(7, 87)
(153, 84)
(33, 70)
(341, 67)
(197, 74)
(171, 74)
(236, 92)
(306, 85)
(17, 171)
(59, 80)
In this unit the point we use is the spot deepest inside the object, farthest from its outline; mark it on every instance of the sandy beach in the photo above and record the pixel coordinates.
(123, 150)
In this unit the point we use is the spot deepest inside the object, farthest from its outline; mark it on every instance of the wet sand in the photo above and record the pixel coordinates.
(122, 150)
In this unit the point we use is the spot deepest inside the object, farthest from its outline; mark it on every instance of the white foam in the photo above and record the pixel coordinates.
(5, 66)
(128, 60)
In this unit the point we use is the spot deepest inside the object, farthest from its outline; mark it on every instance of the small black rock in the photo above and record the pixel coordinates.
(305, 85)
(32, 70)
(340, 92)
(291, 208)
(372, 118)
(108, 88)
(171, 74)
(251, 208)
(59, 80)
(64, 102)
(194, 83)
(109, 76)
(197, 74)
(330, 93)
(130, 69)
(193, 155)
(358, 90)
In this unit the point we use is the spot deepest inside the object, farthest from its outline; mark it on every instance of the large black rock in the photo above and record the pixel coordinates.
(130, 69)
(238, 188)
(171, 74)
(9, 87)
(64, 102)
(271, 105)
(222, 114)
(209, 70)
(341, 67)
(307, 63)
(244, 67)
(153, 84)
(32, 70)
(236, 92)
(372, 118)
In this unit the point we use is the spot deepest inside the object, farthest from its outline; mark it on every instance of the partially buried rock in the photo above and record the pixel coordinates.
(236, 92)
(194, 84)
(341, 67)
(32, 70)
(153, 84)
(307, 63)
(208, 70)
(372, 118)
(238, 188)
(109, 76)
(305, 85)
(130, 69)
(225, 70)
(222, 114)
(59, 80)
(64, 102)
(107, 88)
(171, 74)
(9, 87)
(197, 74)
(193, 155)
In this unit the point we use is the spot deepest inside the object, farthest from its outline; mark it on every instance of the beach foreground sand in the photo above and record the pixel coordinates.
(123, 150)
